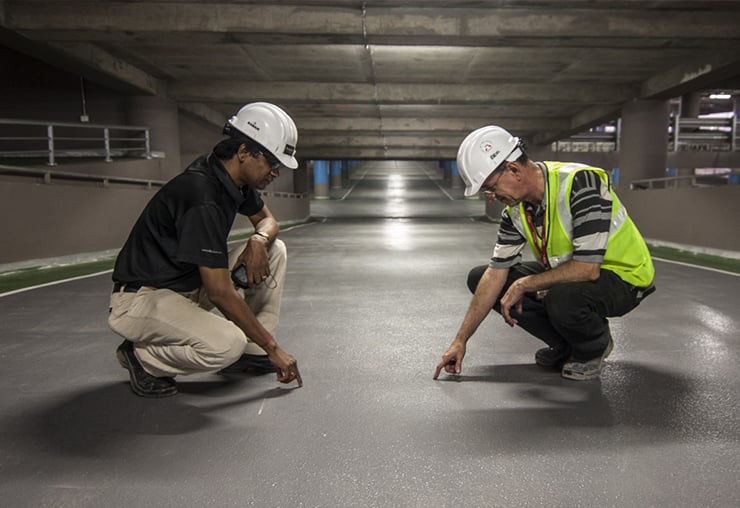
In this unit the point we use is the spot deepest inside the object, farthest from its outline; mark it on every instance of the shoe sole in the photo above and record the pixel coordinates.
(577, 376)
(120, 355)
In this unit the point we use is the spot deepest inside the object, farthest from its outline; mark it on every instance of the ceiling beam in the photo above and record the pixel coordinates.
(103, 62)
(453, 25)
(203, 112)
(86, 60)
(412, 124)
(377, 153)
(691, 76)
(401, 93)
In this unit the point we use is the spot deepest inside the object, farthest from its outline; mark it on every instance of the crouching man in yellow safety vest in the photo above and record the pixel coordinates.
(591, 261)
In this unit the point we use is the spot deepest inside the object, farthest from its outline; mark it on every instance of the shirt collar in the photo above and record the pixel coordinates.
(225, 179)
(543, 168)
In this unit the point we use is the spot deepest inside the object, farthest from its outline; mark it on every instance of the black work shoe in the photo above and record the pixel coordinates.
(143, 383)
(553, 357)
(258, 364)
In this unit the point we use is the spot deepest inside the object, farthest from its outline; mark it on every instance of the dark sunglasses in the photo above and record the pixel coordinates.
(272, 161)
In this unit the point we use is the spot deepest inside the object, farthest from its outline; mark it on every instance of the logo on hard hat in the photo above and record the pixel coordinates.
(486, 146)
(253, 125)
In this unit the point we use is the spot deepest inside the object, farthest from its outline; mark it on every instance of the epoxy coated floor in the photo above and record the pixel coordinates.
(375, 293)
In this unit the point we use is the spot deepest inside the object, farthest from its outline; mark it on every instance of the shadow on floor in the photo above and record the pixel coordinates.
(633, 404)
(100, 422)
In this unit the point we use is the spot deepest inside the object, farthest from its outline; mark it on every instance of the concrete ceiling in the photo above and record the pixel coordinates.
(391, 78)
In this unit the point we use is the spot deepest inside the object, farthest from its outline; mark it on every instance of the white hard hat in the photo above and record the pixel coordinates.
(481, 152)
(269, 126)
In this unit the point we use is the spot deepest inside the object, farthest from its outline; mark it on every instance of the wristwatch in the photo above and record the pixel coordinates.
(263, 235)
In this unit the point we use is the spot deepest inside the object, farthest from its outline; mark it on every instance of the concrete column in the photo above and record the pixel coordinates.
(336, 174)
(690, 105)
(321, 179)
(300, 178)
(644, 141)
(345, 173)
(161, 116)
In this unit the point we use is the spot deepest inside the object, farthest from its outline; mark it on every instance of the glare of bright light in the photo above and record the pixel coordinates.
(397, 235)
(396, 186)
(720, 96)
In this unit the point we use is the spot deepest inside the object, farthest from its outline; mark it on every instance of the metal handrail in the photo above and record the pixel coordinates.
(693, 180)
(47, 175)
(718, 138)
(725, 135)
(51, 139)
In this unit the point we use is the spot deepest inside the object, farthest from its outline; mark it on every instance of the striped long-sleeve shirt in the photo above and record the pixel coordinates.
(591, 207)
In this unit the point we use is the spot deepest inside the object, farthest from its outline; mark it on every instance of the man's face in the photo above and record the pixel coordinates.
(502, 185)
(261, 169)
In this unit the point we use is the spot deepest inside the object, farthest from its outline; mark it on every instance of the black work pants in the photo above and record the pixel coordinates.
(571, 314)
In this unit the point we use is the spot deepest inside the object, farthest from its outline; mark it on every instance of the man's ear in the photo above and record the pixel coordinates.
(242, 153)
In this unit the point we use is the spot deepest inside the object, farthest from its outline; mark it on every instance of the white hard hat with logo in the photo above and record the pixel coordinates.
(270, 126)
(482, 151)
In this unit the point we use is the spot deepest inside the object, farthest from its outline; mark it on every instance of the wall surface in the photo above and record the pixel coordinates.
(61, 219)
(702, 217)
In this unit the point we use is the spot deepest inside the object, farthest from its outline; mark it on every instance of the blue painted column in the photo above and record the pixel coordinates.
(456, 179)
(321, 179)
(336, 174)
(446, 171)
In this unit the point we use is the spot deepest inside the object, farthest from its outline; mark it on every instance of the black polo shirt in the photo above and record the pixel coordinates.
(185, 225)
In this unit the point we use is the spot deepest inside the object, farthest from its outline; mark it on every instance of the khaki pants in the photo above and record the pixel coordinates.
(177, 333)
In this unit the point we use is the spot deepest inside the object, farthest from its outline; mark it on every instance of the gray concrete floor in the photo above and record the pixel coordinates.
(374, 295)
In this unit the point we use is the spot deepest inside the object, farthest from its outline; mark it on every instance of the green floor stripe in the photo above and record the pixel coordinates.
(28, 277)
(707, 260)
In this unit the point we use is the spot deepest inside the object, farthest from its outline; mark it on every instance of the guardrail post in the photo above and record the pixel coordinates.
(618, 135)
(676, 126)
(50, 144)
(147, 144)
(106, 140)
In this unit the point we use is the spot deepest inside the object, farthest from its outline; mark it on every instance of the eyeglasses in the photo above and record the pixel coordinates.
(490, 189)
(272, 161)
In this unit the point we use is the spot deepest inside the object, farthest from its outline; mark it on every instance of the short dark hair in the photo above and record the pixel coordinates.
(227, 148)
(523, 158)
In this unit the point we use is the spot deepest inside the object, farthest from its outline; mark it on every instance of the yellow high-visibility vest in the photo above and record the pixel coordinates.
(626, 255)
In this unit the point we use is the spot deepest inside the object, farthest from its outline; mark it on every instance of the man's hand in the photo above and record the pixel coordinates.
(513, 298)
(255, 259)
(451, 360)
(286, 365)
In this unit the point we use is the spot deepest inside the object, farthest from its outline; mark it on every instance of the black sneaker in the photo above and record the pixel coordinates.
(258, 364)
(143, 383)
(552, 357)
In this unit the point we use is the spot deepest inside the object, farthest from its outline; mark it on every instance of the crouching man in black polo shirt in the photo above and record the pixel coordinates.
(176, 267)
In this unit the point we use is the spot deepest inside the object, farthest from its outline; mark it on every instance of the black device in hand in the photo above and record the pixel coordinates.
(239, 276)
